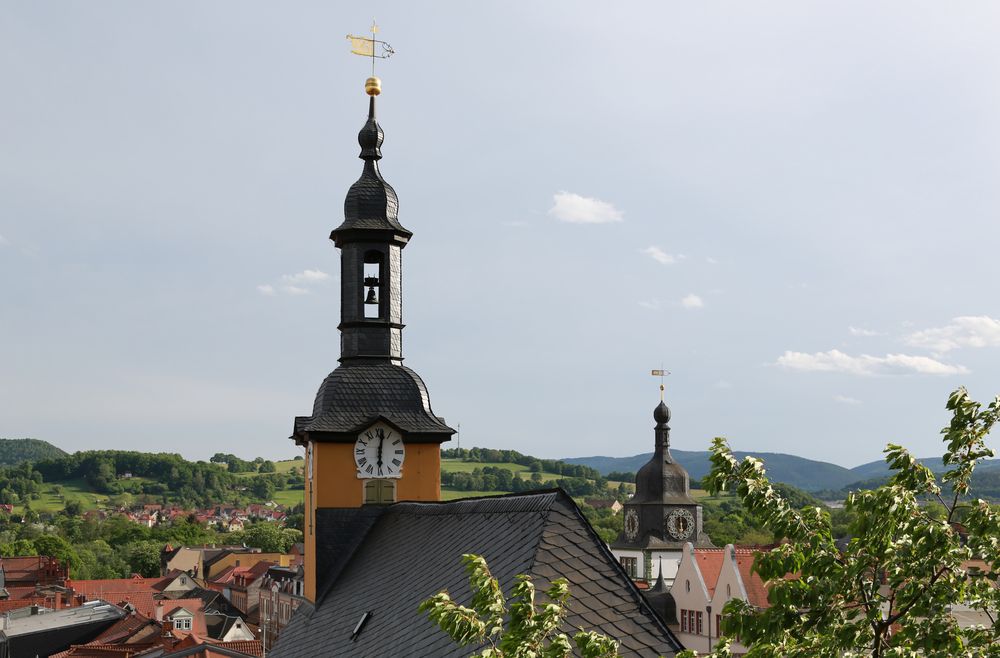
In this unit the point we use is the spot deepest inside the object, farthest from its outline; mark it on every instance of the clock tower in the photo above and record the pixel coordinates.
(661, 516)
(372, 437)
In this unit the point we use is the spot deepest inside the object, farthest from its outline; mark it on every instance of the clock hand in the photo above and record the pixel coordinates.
(379, 454)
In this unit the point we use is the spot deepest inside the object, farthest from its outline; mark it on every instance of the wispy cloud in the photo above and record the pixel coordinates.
(858, 331)
(711, 261)
(692, 301)
(294, 284)
(650, 304)
(660, 256)
(576, 209)
(845, 399)
(305, 276)
(964, 331)
(864, 364)
(4, 241)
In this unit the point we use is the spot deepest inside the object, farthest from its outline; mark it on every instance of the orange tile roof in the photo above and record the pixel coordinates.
(709, 561)
(756, 590)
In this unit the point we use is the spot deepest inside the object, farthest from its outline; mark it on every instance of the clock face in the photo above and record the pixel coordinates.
(680, 524)
(631, 525)
(379, 453)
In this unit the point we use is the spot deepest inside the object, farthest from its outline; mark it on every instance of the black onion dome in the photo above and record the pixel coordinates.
(662, 413)
(371, 202)
(353, 397)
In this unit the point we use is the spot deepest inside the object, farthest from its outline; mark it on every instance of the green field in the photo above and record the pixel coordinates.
(459, 466)
(448, 494)
(289, 497)
(280, 467)
(71, 489)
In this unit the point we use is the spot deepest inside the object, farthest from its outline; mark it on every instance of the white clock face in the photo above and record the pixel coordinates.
(631, 524)
(379, 453)
(680, 524)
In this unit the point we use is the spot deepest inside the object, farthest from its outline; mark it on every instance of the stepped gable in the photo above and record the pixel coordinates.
(416, 548)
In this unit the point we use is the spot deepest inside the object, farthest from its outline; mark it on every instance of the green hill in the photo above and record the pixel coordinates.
(805, 474)
(15, 451)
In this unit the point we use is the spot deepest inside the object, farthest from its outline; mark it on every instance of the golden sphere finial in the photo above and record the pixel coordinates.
(373, 86)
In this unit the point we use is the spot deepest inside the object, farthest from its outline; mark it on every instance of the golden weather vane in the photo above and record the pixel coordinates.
(661, 374)
(375, 49)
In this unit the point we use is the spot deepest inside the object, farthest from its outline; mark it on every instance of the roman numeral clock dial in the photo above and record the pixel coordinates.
(379, 453)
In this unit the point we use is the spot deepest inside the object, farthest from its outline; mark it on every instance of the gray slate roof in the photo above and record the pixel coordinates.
(412, 550)
(352, 397)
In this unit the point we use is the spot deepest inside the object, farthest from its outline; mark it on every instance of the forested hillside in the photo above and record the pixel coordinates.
(15, 451)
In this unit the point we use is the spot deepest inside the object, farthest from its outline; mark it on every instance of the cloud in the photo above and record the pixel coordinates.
(844, 399)
(711, 261)
(890, 364)
(294, 284)
(4, 241)
(576, 209)
(652, 304)
(305, 276)
(856, 331)
(659, 255)
(692, 301)
(964, 331)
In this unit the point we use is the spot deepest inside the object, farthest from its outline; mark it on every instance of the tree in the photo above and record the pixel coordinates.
(143, 557)
(267, 466)
(889, 592)
(268, 537)
(530, 632)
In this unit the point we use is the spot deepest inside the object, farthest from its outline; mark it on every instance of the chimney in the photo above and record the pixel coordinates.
(158, 612)
(168, 629)
(34, 608)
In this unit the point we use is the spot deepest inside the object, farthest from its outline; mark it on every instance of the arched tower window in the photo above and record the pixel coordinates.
(372, 290)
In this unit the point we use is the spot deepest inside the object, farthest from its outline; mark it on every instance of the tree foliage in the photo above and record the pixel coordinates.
(891, 590)
(514, 627)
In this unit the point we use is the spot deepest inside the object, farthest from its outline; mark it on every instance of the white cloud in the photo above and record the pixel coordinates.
(692, 301)
(576, 209)
(305, 276)
(294, 284)
(3, 241)
(890, 364)
(964, 331)
(652, 304)
(659, 255)
(844, 399)
(711, 261)
(856, 331)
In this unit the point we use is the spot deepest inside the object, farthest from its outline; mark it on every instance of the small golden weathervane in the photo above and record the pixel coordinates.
(375, 49)
(661, 374)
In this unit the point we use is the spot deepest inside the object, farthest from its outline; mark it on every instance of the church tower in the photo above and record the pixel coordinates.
(661, 516)
(372, 437)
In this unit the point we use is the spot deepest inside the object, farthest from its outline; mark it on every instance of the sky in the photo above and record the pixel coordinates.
(791, 206)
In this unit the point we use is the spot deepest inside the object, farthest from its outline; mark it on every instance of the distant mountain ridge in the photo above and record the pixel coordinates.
(806, 474)
(16, 451)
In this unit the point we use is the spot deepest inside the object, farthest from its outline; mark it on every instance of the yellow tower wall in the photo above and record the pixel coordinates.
(335, 483)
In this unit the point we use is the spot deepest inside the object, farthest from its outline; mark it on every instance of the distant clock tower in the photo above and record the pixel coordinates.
(661, 516)
(372, 437)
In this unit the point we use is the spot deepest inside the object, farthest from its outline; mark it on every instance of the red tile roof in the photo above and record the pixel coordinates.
(756, 590)
(709, 561)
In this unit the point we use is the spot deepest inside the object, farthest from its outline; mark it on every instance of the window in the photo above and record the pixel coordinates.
(630, 565)
(698, 619)
(718, 625)
(183, 624)
(372, 292)
(380, 492)
(684, 621)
